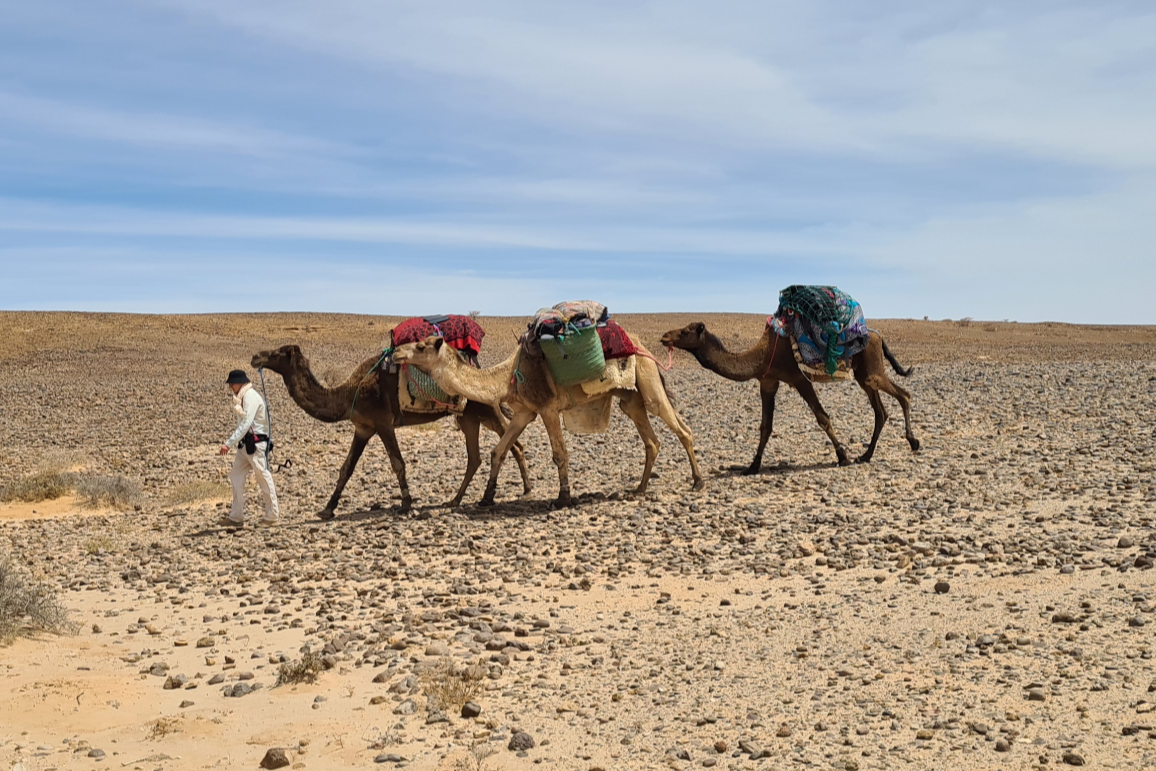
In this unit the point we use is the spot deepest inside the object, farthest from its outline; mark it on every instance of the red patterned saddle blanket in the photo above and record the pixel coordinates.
(461, 332)
(616, 344)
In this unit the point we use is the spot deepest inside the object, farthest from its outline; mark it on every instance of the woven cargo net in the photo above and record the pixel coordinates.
(423, 387)
(833, 314)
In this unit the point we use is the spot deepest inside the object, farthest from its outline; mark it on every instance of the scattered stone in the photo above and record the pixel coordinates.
(470, 709)
(520, 742)
(175, 682)
(275, 757)
(942, 587)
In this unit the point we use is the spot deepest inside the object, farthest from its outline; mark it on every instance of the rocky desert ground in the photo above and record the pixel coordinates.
(984, 603)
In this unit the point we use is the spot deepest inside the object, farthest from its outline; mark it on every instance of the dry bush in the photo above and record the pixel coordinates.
(195, 492)
(334, 376)
(41, 486)
(163, 726)
(103, 491)
(27, 606)
(60, 459)
(475, 315)
(98, 544)
(304, 670)
(475, 758)
(448, 688)
(379, 739)
(965, 321)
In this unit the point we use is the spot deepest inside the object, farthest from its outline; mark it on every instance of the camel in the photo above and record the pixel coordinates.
(771, 363)
(369, 399)
(525, 383)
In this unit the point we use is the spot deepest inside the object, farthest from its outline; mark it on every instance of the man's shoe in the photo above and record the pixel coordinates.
(227, 521)
(266, 522)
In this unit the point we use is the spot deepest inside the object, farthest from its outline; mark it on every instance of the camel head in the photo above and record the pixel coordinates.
(688, 338)
(423, 354)
(281, 360)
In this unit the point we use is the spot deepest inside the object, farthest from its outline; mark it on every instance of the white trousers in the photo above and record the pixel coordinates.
(243, 463)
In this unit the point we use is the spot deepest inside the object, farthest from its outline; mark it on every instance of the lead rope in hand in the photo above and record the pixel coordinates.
(269, 417)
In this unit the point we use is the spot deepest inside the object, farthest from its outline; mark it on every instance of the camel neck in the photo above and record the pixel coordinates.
(330, 405)
(744, 365)
(488, 386)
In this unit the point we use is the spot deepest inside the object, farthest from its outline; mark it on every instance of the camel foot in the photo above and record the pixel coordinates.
(914, 444)
(844, 460)
(864, 458)
(325, 515)
(563, 502)
(406, 506)
(698, 485)
(640, 490)
(752, 469)
(487, 501)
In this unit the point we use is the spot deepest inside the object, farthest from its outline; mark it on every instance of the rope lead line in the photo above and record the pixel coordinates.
(269, 416)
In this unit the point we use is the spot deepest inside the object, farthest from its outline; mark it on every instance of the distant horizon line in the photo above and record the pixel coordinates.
(927, 320)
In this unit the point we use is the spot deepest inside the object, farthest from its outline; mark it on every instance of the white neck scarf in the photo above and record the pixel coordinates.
(239, 398)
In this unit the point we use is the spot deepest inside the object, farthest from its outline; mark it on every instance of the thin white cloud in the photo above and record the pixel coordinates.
(151, 129)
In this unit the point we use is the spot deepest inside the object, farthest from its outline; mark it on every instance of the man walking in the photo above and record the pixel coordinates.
(250, 440)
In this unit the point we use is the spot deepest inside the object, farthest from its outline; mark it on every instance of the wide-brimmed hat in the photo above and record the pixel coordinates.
(237, 376)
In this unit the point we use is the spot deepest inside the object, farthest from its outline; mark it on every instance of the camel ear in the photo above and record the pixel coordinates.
(701, 327)
(438, 345)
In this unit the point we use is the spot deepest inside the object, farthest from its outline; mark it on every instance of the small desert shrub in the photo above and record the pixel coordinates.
(60, 459)
(98, 544)
(97, 491)
(304, 670)
(195, 492)
(41, 486)
(475, 758)
(447, 687)
(475, 315)
(27, 606)
(334, 376)
(163, 726)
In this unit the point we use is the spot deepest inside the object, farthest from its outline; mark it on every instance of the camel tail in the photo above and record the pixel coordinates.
(895, 362)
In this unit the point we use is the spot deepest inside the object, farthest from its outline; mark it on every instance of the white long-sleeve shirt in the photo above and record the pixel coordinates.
(256, 417)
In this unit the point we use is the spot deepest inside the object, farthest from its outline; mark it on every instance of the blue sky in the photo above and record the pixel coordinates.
(992, 160)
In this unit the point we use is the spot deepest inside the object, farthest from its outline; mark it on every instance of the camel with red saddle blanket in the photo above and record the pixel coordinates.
(526, 382)
(370, 400)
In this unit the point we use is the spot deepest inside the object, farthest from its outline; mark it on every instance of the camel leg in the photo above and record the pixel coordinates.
(669, 415)
(361, 437)
(470, 427)
(807, 391)
(880, 418)
(498, 454)
(497, 424)
(553, 423)
(903, 396)
(767, 391)
(389, 439)
(635, 409)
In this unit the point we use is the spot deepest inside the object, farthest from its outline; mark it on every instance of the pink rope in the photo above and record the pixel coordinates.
(669, 358)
